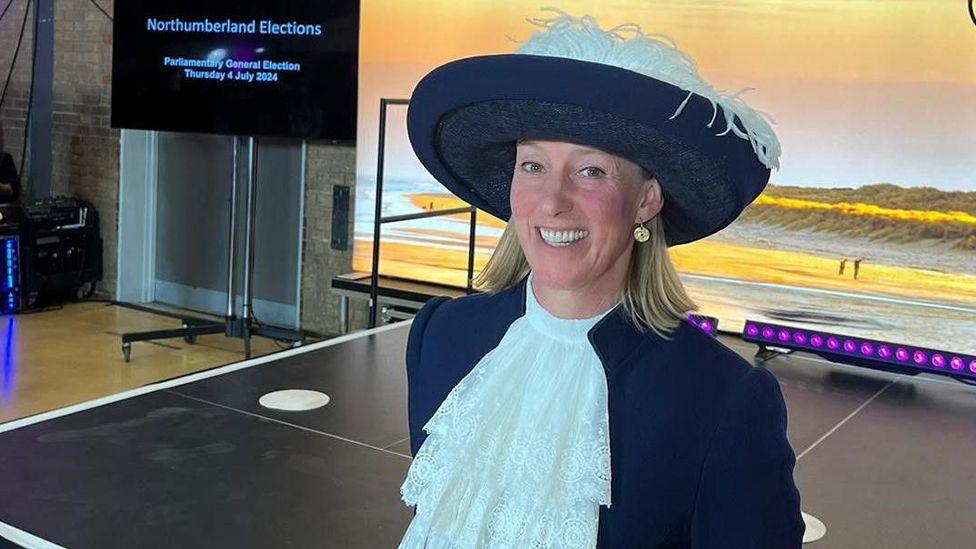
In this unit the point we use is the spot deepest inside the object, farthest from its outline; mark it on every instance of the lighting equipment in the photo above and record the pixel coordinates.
(707, 324)
(10, 294)
(14, 228)
(778, 339)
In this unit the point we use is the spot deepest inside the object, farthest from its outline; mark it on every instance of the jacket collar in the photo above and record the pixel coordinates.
(614, 337)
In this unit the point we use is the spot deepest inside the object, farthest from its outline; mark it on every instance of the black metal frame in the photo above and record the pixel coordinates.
(379, 220)
(231, 326)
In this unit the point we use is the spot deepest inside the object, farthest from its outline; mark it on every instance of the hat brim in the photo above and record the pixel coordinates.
(465, 117)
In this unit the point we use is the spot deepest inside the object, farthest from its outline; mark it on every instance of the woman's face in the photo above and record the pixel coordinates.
(575, 209)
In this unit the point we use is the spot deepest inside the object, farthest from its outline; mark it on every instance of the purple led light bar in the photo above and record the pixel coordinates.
(707, 324)
(862, 351)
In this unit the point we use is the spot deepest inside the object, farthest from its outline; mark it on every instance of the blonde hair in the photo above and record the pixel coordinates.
(653, 295)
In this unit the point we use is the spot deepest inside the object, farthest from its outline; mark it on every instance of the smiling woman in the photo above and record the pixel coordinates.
(574, 209)
(572, 404)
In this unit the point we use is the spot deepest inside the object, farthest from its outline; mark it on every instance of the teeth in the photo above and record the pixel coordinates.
(562, 238)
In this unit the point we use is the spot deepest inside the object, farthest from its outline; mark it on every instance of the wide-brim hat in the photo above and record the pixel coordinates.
(465, 117)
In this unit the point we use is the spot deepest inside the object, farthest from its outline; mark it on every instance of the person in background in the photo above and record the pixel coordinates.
(9, 179)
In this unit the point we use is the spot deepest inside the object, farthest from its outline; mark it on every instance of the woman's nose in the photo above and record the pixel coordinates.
(557, 197)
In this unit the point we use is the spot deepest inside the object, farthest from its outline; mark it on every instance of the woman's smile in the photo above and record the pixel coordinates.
(562, 238)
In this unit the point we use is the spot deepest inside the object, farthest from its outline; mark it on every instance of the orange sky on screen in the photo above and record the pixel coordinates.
(862, 91)
(849, 40)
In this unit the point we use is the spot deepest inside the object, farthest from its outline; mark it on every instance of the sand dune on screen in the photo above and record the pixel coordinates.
(423, 261)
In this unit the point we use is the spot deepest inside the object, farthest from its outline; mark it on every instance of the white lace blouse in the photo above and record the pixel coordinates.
(518, 454)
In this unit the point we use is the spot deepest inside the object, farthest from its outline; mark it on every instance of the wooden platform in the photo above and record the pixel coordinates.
(57, 357)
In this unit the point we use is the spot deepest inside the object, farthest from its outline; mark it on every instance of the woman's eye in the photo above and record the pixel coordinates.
(592, 171)
(531, 167)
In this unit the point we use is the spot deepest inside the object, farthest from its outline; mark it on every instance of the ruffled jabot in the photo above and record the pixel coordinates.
(518, 454)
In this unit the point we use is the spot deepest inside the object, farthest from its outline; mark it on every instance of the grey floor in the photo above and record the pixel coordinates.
(885, 461)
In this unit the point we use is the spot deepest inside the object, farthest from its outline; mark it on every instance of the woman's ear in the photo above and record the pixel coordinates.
(650, 201)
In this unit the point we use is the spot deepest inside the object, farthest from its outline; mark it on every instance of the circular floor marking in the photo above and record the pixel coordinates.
(294, 400)
(815, 528)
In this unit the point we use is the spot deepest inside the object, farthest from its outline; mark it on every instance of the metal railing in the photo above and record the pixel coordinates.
(379, 220)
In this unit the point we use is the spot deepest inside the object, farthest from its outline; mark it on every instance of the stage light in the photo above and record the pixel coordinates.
(707, 324)
(10, 279)
(775, 339)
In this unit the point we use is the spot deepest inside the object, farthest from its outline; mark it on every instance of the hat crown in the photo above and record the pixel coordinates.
(657, 56)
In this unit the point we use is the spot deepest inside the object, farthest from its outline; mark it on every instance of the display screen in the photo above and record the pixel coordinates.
(867, 229)
(283, 68)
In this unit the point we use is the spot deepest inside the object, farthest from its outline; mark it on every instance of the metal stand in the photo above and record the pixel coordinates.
(232, 326)
(767, 352)
(379, 220)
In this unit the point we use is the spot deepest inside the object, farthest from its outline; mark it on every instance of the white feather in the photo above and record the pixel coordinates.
(657, 56)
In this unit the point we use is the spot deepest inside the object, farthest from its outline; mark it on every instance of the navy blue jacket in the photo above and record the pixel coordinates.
(698, 450)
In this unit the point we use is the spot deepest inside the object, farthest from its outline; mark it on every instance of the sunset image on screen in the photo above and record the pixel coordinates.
(870, 222)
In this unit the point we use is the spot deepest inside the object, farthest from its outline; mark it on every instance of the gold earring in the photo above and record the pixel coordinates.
(642, 234)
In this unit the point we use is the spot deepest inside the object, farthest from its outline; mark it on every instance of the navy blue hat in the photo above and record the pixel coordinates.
(465, 117)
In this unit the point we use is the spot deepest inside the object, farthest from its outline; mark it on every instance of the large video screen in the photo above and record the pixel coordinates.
(283, 68)
(868, 228)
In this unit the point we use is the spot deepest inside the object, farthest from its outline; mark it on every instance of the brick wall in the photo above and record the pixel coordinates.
(13, 112)
(85, 150)
(326, 167)
(85, 158)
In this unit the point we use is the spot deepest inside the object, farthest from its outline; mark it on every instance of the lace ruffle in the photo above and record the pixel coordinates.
(518, 454)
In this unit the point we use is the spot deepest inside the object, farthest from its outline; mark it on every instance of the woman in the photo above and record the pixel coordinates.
(572, 404)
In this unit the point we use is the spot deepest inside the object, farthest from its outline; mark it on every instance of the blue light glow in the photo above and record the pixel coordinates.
(10, 281)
